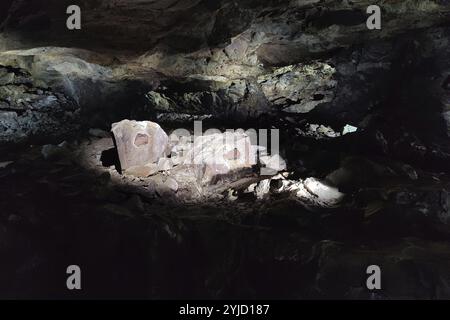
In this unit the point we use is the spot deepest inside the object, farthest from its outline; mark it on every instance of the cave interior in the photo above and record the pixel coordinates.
(357, 122)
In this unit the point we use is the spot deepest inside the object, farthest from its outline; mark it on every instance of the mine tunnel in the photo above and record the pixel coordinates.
(200, 149)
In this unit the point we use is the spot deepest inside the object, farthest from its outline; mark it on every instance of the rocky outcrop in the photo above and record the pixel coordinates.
(274, 31)
(29, 112)
(219, 97)
(65, 80)
(239, 61)
(218, 156)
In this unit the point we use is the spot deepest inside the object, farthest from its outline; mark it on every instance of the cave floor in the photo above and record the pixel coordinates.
(133, 242)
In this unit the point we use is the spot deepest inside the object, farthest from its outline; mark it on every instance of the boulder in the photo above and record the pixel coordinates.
(139, 142)
(349, 129)
(262, 189)
(318, 193)
(5, 164)
(172, 184)
(272, 164)
(165, 186)
(222, 155)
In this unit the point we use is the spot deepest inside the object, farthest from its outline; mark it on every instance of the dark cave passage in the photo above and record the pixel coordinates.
(332, 139)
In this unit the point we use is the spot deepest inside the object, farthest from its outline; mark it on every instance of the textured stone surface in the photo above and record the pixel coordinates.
(261, 27)
(142, 171)
(221, 154)
(46, 92)
(274, 162)
(139, 143)
(31, 112)
(320, 193)
(222, 65)
(228, 60)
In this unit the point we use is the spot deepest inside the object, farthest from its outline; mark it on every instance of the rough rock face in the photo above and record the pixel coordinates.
(272, 30)
(65, 80)
(139, 143)
(219, 155)
(237, 61)
(29, 112)
(299, 88)
(311, 192)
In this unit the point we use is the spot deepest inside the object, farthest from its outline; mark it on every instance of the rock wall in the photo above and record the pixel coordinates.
(313, 60)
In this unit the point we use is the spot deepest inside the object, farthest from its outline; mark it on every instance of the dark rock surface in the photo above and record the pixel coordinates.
(309, 68)
(178, 243)
(235, 60)
(32, 113)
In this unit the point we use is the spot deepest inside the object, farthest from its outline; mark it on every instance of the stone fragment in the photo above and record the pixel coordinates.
(279, 185)
(188, 177)
(349, 129)
(139, 143)
(275, 162)
(164, 164)
(315, 192)
(142, 171)
(251, 188)
(176, 160)
(159, 101)
(327, 132)
(165, 186)
(172, 184)
(5, 164)
(232, 195)
(262, 189)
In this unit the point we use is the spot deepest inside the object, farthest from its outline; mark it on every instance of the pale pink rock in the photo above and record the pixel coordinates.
(221, 154)
(142, 171)
(139, 142)
(164, 164)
